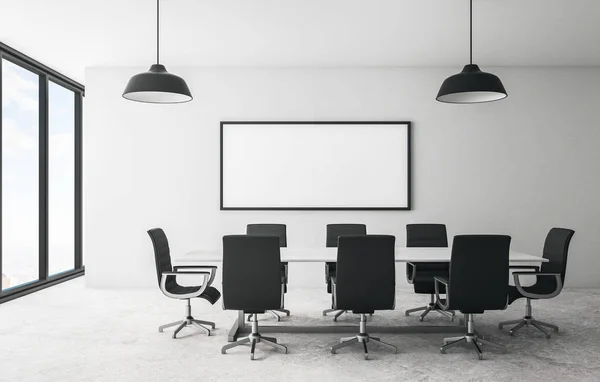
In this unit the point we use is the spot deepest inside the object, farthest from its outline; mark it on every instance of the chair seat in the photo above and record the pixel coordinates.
(211, 294)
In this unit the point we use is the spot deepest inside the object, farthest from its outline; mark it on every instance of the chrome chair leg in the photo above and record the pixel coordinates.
(478, 349)
(328, 311)
(252, 347)
(274, 345)
(183, 325)
(201, 327)
(449, 344)
(551, 326)
(425, 313)
(201, 322)
(516, 328)
(243, 341)
(409, 311)
(452, 339)
(338, 314)
(349, 342)
(163, 327)
(509, 322)
(540, 328)
(275, 315)
(384, 344)
(287, 312)
(495, 345)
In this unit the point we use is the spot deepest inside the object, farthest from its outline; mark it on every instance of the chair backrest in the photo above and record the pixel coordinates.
(426, 235)
(479, 272)
(366, 273)
(251, 272)
(278, 230)
(556, 250)
(336, 230)
(162, 254)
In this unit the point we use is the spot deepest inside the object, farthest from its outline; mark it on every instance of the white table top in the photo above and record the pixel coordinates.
(403, 254)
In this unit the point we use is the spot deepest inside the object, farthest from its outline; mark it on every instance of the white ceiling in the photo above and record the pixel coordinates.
(70, 35)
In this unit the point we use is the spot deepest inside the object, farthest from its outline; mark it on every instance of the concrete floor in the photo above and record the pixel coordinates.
(70, 333)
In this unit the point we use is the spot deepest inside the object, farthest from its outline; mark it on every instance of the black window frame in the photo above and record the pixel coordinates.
(46, 75)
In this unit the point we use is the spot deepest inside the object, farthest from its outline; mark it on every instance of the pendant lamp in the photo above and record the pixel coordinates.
(157, 85)
(471, 85)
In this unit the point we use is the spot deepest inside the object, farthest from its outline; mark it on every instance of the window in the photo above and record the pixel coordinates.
(20, 175)
(40, 176)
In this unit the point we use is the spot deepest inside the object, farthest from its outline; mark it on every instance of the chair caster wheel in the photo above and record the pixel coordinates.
(548, 336)
(442, 351)
(366, 356)
(480, 356)
(333, 351)
(511, 333)
(421, 319)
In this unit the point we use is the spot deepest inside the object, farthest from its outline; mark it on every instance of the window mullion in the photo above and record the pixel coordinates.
(43, 177)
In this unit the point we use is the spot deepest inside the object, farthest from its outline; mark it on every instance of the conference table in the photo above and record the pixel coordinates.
(322, 255)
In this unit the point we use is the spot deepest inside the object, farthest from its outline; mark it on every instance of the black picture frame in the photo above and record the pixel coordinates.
(409, 164)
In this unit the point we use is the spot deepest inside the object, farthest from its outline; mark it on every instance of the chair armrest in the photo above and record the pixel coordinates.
(163, 284)
(442, 280)
(213, 270)
(534, 267)
(411, 272)
(555, 293)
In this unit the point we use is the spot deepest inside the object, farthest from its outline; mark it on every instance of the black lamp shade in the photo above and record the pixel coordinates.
(471, 86)
(157, 86)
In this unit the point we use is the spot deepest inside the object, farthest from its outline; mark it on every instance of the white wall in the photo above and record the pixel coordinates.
(519, 166)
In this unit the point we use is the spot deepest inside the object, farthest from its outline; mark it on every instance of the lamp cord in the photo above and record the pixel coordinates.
(471, 32)
(157, 31)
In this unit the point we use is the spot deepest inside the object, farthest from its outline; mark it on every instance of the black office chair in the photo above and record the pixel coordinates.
(550, 280)
(365, 281)
(166, 275)
(477, 282)
(278, 230)
(421, 274)
(252, 282)
(333, 232)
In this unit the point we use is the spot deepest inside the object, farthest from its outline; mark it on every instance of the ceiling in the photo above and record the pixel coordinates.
(70, 35)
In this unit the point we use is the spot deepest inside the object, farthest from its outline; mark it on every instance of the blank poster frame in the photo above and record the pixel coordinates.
(408, 172)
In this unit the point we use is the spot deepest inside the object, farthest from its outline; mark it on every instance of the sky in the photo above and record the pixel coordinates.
(20, 146)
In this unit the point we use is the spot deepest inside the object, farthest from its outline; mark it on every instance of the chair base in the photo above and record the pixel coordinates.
(254, 338)
(188, 321)
(363, 338)
(431, 307)
(528, 320)
(471, 338)
(273, 313)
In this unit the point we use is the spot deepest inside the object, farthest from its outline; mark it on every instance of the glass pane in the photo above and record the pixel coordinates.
(61, 179)
(20, 177)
